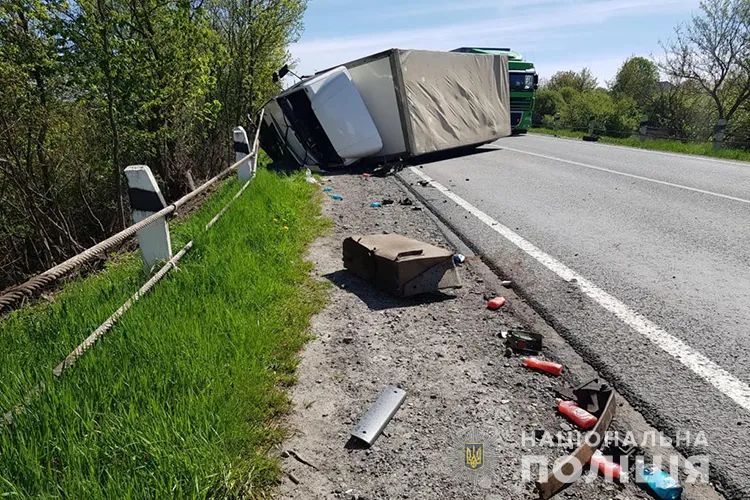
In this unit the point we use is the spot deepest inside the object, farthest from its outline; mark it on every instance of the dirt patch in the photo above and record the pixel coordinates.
(444, 350)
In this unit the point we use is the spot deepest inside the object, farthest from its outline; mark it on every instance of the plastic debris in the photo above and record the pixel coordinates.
(664, 486)
(366, 175)
(496, 303)
(309, 177)
(337, 197)
(506, 283)
(387, 202)
(423, 183)
(576, 414)
(406, 201)
(605, 466)
(376, 204)
(459, 258)
(328, 189)
(544, 366)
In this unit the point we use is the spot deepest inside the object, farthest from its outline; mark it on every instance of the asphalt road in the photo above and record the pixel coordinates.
(641, 259)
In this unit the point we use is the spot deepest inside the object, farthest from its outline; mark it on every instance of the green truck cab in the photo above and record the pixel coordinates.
(523, 84)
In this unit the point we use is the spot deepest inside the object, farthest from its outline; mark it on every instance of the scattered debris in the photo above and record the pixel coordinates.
(552, 483)
(292, 478)
(309, 177)
(387, 202)
(459, 259)
(664, 486)
(376, 204)
(423, 183)
(328, 189)
(337, 197)
(406, 202)
(297, 457)
(544, 366)
(506, 283)
(380, 413)
(400, 265)
(606, 467)
(366, 175)
(576, 414)
(523, 341)
(496, 303)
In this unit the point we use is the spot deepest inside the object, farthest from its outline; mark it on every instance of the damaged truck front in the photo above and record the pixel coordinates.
(394, 105)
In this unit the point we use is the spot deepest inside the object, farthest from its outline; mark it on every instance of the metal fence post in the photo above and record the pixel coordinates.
(241, 150)
(146, 199)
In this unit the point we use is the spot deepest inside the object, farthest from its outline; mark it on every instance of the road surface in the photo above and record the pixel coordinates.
(640, 258)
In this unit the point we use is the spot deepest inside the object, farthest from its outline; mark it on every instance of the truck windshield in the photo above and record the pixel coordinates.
(521, 81)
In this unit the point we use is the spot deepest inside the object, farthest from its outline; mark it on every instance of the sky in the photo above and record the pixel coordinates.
(554, 34)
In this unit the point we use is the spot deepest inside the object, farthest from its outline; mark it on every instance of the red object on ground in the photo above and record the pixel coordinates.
(496, 303)
(544, 366)
(366, 175)
(606, 467)
(576, 414)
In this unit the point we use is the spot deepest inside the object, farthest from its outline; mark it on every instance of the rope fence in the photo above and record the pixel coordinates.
(31, 287)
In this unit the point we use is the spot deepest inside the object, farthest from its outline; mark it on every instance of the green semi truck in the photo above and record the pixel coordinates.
(523, 84)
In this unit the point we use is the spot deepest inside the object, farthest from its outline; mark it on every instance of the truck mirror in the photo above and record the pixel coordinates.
(536, 82)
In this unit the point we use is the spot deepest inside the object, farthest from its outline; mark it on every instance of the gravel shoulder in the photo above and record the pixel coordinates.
(446, 353)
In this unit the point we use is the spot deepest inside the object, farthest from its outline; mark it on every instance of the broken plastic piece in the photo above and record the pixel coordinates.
(337, 197)
(496, 303)
(380, 413)
(376, 204)
(328, 189)
(544, 366)
(458, 258)
(605, 466)
(664, 486)
(366, 175)
(576, 414)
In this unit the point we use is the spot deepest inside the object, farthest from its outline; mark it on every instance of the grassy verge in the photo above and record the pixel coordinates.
(181, 398)
(701, 149)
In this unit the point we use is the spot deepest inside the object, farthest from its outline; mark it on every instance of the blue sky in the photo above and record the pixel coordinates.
(554, 34)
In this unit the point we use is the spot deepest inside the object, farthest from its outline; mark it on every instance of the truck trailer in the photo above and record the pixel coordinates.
(410, 103)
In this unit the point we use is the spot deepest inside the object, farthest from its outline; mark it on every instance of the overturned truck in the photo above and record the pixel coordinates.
(393, 105)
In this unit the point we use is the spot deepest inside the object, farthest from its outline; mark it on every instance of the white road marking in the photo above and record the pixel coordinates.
(656, 181)
(684, 156)
(699, 364)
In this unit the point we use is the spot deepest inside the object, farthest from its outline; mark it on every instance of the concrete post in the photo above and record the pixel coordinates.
(145, 200)
(242, 149)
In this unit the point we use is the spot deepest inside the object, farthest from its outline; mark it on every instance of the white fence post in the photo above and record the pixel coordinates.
(242, 148)
(145, 200)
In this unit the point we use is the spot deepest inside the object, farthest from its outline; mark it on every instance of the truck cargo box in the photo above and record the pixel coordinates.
(426, 101)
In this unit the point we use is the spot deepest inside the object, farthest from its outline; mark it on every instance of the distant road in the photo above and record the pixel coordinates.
(641, 258)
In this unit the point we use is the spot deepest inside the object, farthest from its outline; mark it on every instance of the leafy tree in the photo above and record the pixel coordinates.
(638, 79)
(713, 51)
(580, 81)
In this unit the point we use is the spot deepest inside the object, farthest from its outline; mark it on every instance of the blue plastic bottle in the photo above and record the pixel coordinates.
(662, 484)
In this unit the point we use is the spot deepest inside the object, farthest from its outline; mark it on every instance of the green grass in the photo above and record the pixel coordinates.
(692, 148)
(182, 397)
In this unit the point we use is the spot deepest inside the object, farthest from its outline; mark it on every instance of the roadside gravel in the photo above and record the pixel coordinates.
(443, 350)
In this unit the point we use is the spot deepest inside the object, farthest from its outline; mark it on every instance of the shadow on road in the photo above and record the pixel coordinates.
(377, 300)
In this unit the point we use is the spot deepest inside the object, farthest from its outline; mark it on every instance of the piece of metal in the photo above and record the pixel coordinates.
(566, 468)
(380, 413)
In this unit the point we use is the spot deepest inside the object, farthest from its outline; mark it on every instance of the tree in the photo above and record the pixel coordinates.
(638, 79)
(580, 81)
(713, 51)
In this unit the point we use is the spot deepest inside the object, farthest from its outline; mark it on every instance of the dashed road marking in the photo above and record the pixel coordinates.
(699, 364)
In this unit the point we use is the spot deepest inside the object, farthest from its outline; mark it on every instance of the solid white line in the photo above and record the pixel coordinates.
(686, 156)
(699, 364)
(586, 165)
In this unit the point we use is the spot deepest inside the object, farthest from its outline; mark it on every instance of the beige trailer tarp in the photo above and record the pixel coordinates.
(453, 99)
